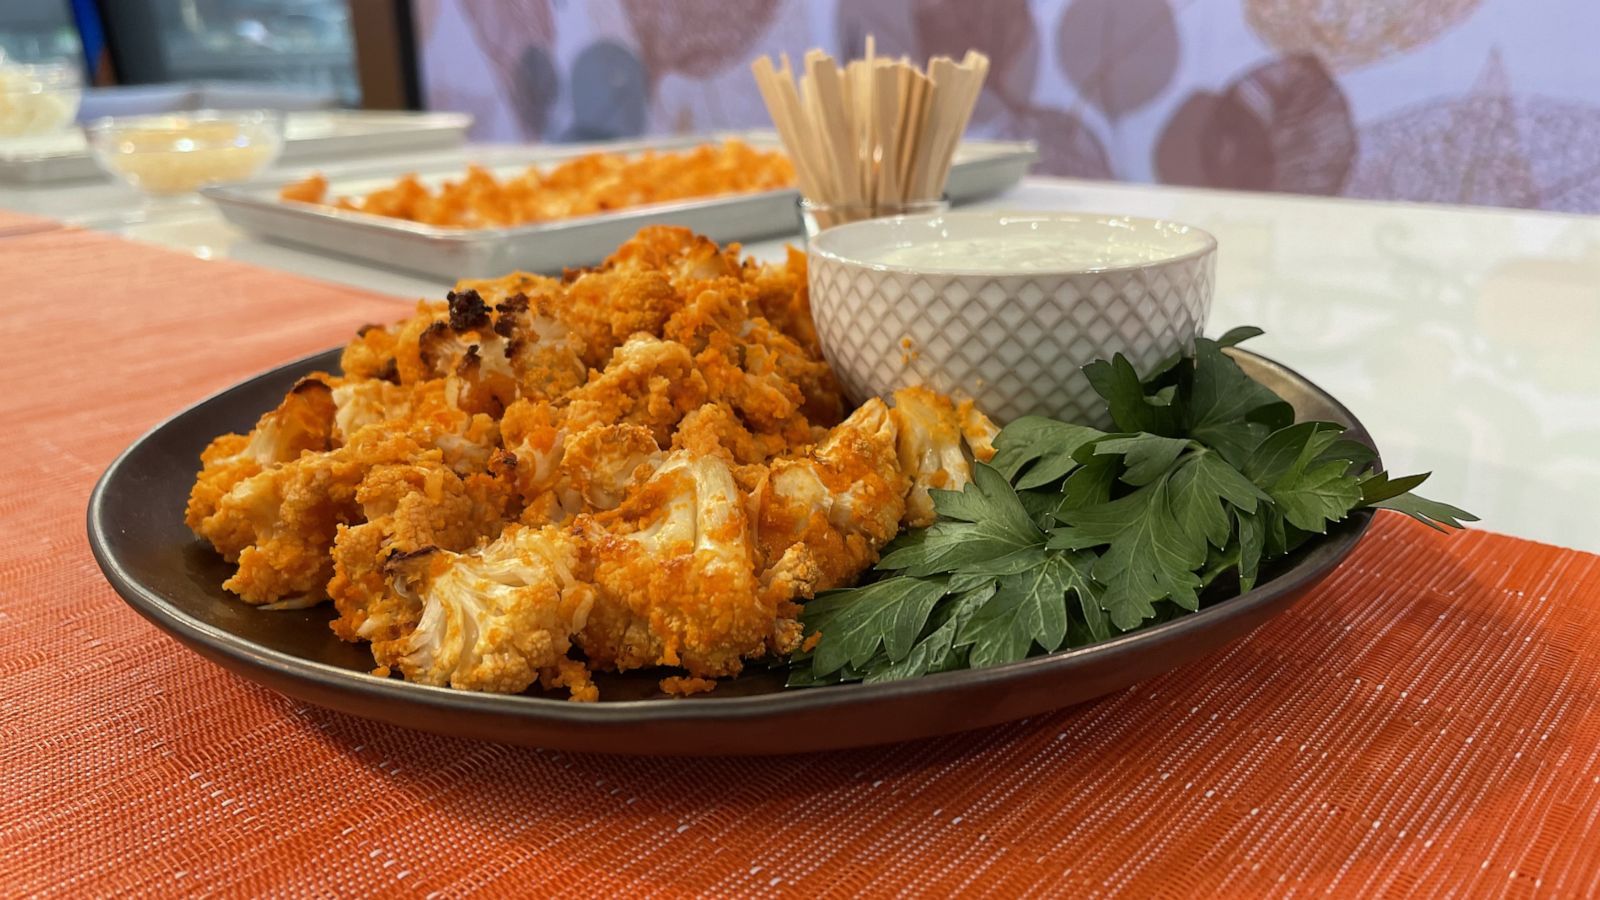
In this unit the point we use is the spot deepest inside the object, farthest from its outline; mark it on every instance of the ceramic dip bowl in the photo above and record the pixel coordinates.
(1006, 308)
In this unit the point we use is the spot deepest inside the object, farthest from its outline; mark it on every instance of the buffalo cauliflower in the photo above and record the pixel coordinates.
(643, 464)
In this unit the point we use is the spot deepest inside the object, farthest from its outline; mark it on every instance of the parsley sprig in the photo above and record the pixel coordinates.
(1071, 535)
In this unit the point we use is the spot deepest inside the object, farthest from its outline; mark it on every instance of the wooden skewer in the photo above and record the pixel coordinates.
(828, 109)
(885, 149)
(913, 119)
(969, 83)
(875, 133)
(866, 146)
(783, 118)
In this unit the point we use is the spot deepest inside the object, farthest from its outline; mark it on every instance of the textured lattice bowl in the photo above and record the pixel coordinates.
(1014, 341)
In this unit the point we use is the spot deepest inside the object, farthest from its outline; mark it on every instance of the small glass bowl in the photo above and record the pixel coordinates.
(38, 99)
(178, 153)
(818, 217)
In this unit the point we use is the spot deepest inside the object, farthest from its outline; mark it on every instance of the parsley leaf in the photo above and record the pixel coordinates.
(887, 614)
(1200, 483)
(1146, 557)
(1147, 455)
(937, 651)
(1156, 537)
(1092, 483)
(1379, 486)
(1118, 384)
(1072, 535)
(985, 525)
(1227, 409)
(1252, 541)
(1309, 493)
(1312, 498)
(1431, 513)
(1034, 451)
(1238, 334)
(1288, 447)
(1223, 396)
(1027, 608)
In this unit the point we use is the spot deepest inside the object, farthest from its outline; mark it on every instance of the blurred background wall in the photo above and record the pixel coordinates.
(1466, 101)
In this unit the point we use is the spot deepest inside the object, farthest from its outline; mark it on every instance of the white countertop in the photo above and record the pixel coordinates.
(1466, 339)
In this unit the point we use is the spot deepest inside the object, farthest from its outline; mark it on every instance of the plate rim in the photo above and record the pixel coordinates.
(194, 633)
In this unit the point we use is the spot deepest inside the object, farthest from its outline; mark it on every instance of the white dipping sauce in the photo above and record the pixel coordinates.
(1026, 253)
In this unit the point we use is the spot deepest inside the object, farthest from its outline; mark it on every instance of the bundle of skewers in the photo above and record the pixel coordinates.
(874, 137)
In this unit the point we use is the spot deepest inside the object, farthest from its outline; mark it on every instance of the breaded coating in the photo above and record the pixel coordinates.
(643, 464)
(408, 508)
(493, 619)
(675, 575)
(303, 422)
(838, 505)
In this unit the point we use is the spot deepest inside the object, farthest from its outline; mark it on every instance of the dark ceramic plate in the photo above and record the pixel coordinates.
(137, 533)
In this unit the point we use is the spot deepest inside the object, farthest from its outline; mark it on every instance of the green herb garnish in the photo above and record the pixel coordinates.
(1071, 535)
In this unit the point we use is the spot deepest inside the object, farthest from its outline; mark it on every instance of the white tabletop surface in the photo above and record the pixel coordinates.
(1466, 339)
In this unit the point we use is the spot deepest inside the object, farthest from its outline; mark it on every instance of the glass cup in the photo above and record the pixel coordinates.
(818, 217)
(178, 153)
(38, 99)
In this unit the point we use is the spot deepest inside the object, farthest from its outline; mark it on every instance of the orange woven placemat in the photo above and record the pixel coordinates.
(15, 223)
(1427, 723)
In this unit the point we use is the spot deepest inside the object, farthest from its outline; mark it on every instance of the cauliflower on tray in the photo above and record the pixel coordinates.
(644, 464)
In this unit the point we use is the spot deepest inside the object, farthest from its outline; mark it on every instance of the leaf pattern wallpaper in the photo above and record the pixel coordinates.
(1493, 102)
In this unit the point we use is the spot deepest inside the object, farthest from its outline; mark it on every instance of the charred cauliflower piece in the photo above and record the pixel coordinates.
(372, 354)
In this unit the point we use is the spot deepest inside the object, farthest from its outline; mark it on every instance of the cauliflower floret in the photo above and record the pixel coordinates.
(277, 527)
(715, 428)
(978, 431)
(649, 382)
(760, 372)
(674, 571)
(304, 421)
(494, 619)
(780, 295)
(408, 508)
(544, 353)
(607, 307)
(359, 403)
(372, 354)
(685, 257)
(532, 433)
(930, 449)
(773, 356)
(601, 463)
(838, 506)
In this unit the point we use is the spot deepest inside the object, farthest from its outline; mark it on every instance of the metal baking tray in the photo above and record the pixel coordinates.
(318, 134)
(981, 169)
